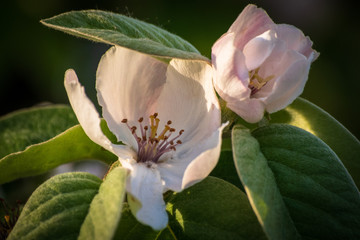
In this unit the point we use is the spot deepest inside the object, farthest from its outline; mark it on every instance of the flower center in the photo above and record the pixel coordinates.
(257, 82)
(151, 145)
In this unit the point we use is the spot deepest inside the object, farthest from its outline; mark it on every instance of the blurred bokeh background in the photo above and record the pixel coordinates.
(34, 58)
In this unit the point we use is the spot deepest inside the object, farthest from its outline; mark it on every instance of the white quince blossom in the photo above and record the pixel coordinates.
(166, 115)
(259, 65)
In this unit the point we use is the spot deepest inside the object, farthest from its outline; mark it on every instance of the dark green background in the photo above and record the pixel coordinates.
(34, 58)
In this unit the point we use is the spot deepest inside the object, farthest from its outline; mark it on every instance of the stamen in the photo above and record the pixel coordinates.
(152, 147)
(256, 81)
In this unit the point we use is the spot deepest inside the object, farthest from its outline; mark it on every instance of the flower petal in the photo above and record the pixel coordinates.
(291, 83)
(188, 98)
(296, 40)
(258, 49)
(251, 22)
(128, 83)
(87, 115)
(204, 163)
(186, 169)
(145, 187)
(251, 109)
(231, 76)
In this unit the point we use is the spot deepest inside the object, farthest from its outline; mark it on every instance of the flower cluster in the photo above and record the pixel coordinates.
(167, 115)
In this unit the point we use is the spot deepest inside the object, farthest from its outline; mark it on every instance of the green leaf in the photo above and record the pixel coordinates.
(303, 114)
(57, 208)
(318, 192)
(33, 125)
(69, 146)
(117, 29)
(260, 186)
(105, 209)
(212, 209)
(131, 229)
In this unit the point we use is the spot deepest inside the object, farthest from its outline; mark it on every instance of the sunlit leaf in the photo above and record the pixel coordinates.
(261, 187)
(33, 125)
(117, 29)
(319, 194)
(69, 146)
(212, 209)
(57, 208)
(105, 209)
(303, 114)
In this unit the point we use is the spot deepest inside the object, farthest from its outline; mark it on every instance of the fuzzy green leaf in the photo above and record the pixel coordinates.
(105, 209)
(319, 194)
(260, 186)
(117, 29)
(304, 114)
(71, 145)
(26, 127)
(57, 208)
(212, 209)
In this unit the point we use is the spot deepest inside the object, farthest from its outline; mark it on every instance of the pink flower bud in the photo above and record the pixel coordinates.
(259, 65)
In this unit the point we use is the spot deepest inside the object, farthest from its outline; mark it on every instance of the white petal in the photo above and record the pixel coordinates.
(189, 100)
(189, 168)
(204, 163)
(251, 22)
(87, 115)
(231, 76)
(251, 109)
(128, 83)
(258, 49)
(290, 84)
(145, 187)
(296, 40)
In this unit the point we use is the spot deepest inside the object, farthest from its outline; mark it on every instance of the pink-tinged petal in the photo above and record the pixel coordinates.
(231, 76)
(87, 115)
(296, 40)
(204, 163)
(251, 109)
(128, 84)
(258, 49)
(189, 101)
(290, 84)
(251, 22)
(188, 168)
(145, 195)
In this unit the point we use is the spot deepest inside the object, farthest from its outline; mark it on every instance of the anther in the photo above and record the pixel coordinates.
(151, 144)
(181, 131)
